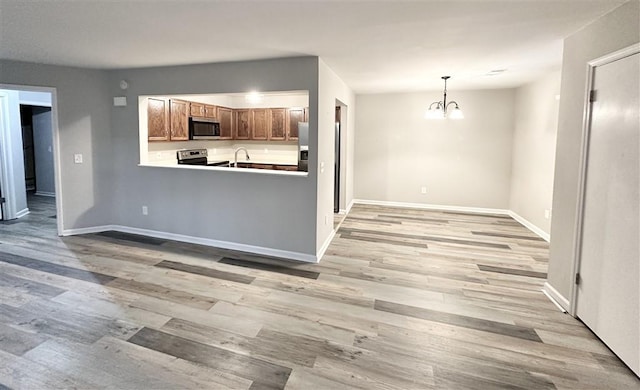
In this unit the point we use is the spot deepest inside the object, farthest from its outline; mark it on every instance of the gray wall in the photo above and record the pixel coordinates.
(462, 163)
(534, 147)
(43, 148)
(83, 106)
(614, 31)
(270, 211)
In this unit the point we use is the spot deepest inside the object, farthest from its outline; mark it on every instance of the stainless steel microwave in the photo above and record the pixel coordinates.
(204, 128)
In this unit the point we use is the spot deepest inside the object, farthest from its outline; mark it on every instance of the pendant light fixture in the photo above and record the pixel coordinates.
(440, 109)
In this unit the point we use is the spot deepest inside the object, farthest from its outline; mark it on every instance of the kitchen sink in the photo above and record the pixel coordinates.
(218, 164)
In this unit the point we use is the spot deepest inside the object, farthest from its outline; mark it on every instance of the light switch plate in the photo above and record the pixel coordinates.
(77, 158)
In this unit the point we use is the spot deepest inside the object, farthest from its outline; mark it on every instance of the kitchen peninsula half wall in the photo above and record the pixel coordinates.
(260, 130)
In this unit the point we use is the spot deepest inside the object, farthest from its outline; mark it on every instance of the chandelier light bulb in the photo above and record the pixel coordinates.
(456, 113)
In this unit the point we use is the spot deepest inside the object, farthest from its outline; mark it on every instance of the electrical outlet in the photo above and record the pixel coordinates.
(423, 190)
(547, 214)
(145, 210)
(77, 158)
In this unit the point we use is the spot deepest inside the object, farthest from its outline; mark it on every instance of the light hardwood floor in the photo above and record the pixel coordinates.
(403, 299)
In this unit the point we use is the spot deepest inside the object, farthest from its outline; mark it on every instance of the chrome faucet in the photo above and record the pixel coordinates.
(235, 156)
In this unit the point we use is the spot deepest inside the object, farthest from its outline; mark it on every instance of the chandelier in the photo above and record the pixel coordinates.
(440, 109)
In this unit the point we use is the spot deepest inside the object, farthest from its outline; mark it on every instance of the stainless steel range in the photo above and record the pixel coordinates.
(197, 157)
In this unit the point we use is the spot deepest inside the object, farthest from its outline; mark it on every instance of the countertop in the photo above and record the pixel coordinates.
(174, 165)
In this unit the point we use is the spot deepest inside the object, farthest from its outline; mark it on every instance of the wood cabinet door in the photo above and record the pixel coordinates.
(278, 124)
(243, 124)
(197, 109)
(260, 124)
(158, 119)
(210, 111)
(295, 115)
(179, 120)
(225, 116)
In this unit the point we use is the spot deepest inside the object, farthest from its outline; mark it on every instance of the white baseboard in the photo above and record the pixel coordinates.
(22, 213)
(544, 235)
(88, 230)
(349, 206)
(346, 211)
(463, 209)
(307, 258)
(44, 193)
(555, 297)
(325, 246)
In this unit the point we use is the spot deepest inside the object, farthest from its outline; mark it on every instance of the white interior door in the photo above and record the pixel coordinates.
(609, 293)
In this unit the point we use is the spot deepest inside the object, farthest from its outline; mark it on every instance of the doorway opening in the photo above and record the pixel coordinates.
(340, 163)
(29, 174)
(37, 146)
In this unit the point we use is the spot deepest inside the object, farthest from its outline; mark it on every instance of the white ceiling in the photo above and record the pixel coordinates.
(374, 46)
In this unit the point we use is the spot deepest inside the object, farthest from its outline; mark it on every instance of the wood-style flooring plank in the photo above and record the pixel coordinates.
(17, 341)
(263, 374)
(18, 372)
(57, 320)
(512, 271)
(52, 268)
(162, 292)
(126, 365)
(270, 268)
(204, 271)
(452, 319)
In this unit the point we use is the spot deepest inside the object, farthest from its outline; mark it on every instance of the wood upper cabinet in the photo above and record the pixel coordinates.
(179, 120)
(260, 124)
(295, 115)
(202, 110)
(158, 119)
(197, 109)
(243, 124)
(278, 124)
(225, 116)
(210, 111)
(168, 120)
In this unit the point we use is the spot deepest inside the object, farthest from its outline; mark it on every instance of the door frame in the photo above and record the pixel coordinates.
(584, 159)
(342, 157)
(6, 179)
(57, 167)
